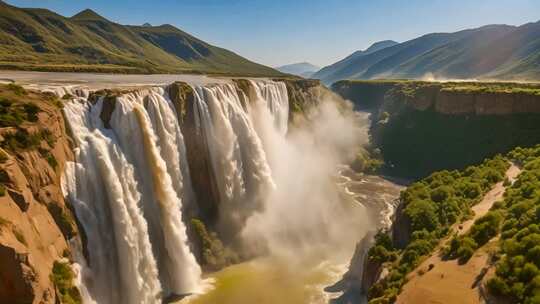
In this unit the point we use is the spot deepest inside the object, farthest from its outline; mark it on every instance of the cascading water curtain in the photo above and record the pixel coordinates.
(127, 187)
(130, 182)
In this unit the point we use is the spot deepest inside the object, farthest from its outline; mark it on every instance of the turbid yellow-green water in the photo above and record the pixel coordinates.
(269, 281)
(284, 281)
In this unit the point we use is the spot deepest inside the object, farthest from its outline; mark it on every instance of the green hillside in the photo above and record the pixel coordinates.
(488, 52)
(38, 39)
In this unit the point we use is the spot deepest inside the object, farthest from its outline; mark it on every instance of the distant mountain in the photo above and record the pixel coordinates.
(328, 71)
(39, 39)
(488, 52)
(302, 69)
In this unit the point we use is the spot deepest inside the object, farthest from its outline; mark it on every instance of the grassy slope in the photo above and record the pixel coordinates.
(43, 40)
(494, 51)
(386, 58)
(331, 69)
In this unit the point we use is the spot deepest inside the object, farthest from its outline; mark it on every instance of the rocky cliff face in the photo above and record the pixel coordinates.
(202, 175)
(456, 98)
(35, 223)
(421, 127)
(363, 271)
(401, 228)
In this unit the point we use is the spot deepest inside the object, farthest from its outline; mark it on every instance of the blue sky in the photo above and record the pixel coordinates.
(285, 31)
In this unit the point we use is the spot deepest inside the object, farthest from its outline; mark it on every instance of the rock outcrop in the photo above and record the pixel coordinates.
(35, 222)
(401, 228)
(303, 94)
(462, 98)
(422, 127)
(200, 167)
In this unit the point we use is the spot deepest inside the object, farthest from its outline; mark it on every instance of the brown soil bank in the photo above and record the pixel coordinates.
(35, 223)
(421, 127)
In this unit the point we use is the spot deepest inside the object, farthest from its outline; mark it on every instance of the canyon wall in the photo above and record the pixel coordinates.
(421, 127)
(35, 222)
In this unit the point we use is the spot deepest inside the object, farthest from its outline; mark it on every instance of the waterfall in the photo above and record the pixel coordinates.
(127, 187)
(133, 191)
(183, 269)
(103, 190)
(236, 151)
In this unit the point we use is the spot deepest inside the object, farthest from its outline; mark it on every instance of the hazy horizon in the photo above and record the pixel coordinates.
(303, 31)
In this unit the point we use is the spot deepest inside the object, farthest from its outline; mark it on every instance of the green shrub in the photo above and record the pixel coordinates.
(379, 254)
(517, 270)
(498, 286)
(486, 227)
(23, 140)
(441, 194)
(17, 89)
(47, 135)
(63, 219)
(62, 276)
(367, 162)
(383, 239)
(31, 111)
(465, 253)
(423, 215)
(52, 161)
(4, 176)
(3, 157)
(470, 190)
(20, 140)
(213, 254)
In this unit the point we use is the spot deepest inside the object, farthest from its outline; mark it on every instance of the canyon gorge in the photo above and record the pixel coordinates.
(159, 186)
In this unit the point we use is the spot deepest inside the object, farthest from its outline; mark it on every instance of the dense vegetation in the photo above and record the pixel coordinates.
(517, 220)
(416, 141)
(430, 207)
(18, 114)
(368, 161)
(213, 254)
(13, 114)
(62, 276)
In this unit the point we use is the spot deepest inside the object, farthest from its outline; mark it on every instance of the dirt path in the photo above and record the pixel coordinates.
(494, 195)
(449, 282)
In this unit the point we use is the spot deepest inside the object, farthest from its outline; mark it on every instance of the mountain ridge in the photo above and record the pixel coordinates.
(302, 69)
(328, 70)
(494, 51)
(40, 39)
